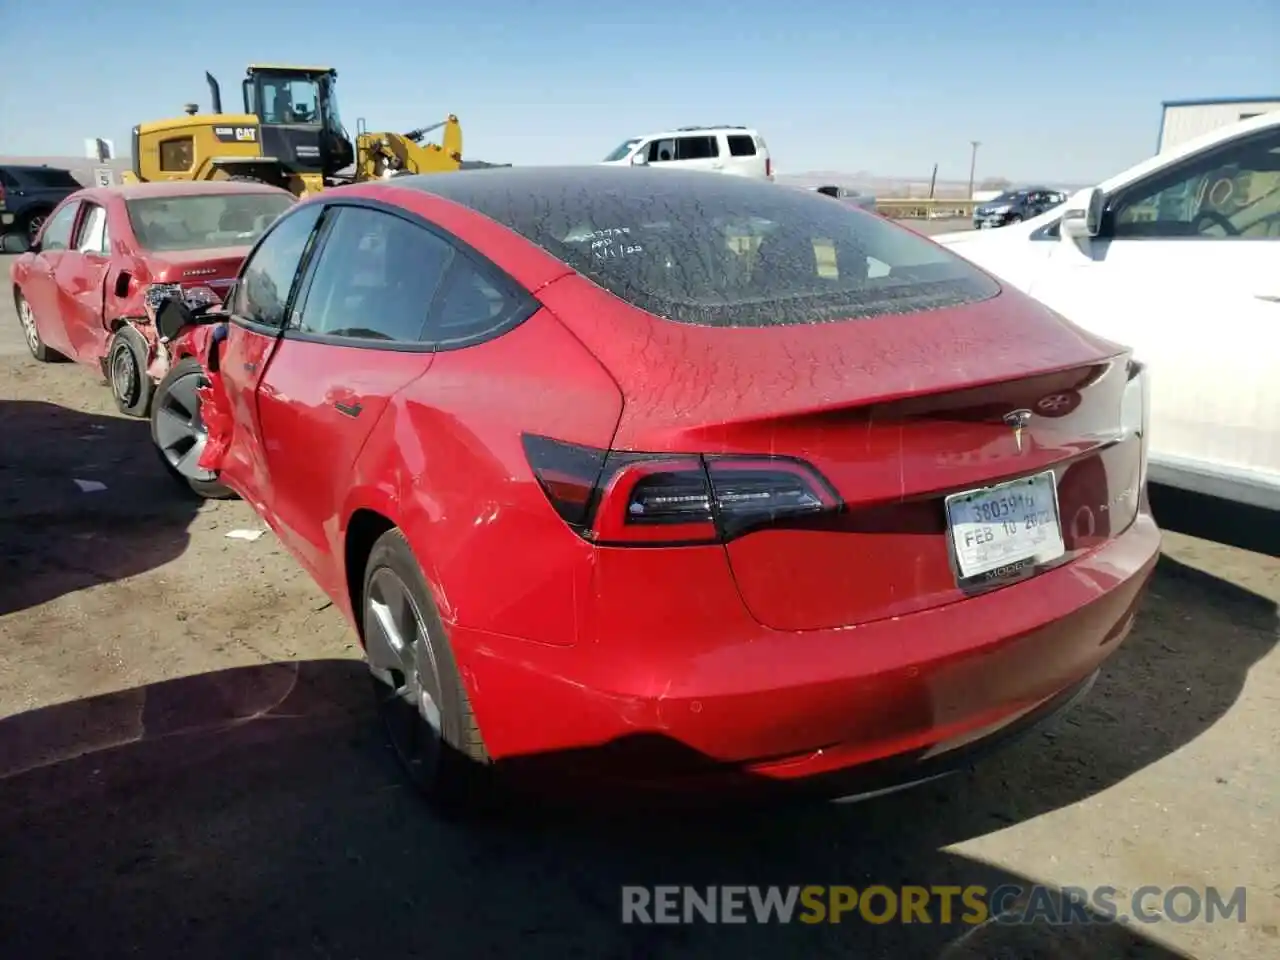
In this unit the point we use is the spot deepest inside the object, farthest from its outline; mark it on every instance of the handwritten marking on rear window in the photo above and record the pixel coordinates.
(607, 244)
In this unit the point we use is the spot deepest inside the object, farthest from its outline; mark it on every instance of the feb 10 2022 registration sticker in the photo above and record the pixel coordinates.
(1006, 528)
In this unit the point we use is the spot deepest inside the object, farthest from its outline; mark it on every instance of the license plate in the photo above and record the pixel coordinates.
(1005, 528)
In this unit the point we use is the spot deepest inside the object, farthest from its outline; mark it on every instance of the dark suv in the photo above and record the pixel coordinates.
(1014, 206)
(29, 194)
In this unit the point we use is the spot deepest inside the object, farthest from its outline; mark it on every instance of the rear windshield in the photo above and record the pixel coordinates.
(50, 177)
(204, 221)
(728, 251)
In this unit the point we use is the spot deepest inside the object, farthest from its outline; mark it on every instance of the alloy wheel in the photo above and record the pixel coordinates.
(179, 431)
(403, 665)
(28, 321)
(33, 227)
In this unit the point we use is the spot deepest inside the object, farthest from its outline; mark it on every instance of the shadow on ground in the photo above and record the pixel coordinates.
(56, 538)
(258, 813)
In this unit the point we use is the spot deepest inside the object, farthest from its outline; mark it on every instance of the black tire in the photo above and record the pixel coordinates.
(176, 429)
(31, 222)
(1015, 218)
(126, 369)
(447, 762)
(31, 335)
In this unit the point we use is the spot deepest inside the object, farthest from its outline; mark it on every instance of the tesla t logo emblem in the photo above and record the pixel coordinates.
(1018, 419)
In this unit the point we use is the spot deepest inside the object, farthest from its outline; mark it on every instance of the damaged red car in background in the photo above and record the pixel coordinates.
(86, 290)
(669, 480)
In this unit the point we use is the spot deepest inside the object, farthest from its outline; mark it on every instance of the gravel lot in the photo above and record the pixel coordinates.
(189, 764)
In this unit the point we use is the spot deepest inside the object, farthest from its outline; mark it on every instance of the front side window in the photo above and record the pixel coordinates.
(662, 151)
(262, 292)
(728, 251)
(1234, 192)
(290, 100)
(374, 279)
(51, 178)
(93, 230)
(205, 221)
(57, 231)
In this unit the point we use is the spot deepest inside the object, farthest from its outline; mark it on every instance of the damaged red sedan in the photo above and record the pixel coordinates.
(685, 481)
(84, 289)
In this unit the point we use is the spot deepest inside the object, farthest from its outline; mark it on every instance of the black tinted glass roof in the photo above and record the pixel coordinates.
(717, 250)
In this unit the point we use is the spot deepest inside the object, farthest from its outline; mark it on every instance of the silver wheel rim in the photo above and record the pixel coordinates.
(125, 376)
(179, 432)
(33, 226)
(402, 661)
(28, 321)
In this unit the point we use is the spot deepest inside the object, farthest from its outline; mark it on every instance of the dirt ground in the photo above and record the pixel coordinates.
(190, 765)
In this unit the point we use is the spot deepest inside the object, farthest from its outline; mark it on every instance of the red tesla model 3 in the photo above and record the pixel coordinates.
(723, 480)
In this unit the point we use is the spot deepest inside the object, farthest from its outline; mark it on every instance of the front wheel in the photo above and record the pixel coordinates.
(179, 433)
(31, 333)
(420, 695)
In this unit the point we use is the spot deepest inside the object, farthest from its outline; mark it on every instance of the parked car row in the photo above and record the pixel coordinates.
(708, 471)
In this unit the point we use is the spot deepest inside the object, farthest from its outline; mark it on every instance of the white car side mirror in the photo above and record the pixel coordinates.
(639, 160)
(1082, 218)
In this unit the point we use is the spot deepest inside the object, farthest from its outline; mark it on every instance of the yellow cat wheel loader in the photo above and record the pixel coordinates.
(289, 134)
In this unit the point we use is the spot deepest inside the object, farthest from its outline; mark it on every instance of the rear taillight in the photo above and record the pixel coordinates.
(667, 498)
(768, 166)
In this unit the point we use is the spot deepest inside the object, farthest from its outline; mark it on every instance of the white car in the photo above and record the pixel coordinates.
(739, 151)
(1179, 258)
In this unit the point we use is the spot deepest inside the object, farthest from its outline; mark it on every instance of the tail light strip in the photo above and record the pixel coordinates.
(662, 499)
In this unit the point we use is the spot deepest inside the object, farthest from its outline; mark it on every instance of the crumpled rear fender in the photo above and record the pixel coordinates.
(204, 343)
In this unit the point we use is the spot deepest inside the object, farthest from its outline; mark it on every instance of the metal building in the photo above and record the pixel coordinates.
(1184, 120)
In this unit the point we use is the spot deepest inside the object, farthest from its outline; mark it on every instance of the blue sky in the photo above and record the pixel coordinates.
(1066, 90)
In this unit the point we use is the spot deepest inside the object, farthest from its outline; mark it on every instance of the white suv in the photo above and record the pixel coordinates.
(739, 151)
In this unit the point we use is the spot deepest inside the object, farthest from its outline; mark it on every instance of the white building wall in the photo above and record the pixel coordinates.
(1183, 123)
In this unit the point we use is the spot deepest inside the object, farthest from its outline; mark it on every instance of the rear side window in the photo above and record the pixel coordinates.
(697, 148)
(57, 230)
(741, 146)
(730, 251)
(51, 178)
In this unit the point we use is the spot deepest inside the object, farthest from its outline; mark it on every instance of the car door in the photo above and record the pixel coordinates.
(352, 343)
(41, 288)
(79, 278)
(1186, 270)
(258, 308)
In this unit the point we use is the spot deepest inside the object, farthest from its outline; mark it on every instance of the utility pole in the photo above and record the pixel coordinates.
(973, 164)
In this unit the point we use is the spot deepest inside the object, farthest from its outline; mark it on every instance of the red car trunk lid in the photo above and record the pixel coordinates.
(896, 413)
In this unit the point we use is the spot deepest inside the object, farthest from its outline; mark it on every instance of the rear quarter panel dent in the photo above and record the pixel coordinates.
(446, 464)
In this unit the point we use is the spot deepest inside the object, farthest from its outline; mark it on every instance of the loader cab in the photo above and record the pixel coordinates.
(301, 127)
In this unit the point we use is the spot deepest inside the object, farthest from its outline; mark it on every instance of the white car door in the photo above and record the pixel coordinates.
(1186, 270)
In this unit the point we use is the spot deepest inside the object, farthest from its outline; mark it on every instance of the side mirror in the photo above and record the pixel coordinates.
(171, 317)
(639, 160)
(1082, 219)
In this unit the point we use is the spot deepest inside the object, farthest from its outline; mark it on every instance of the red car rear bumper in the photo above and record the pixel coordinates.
(761, 705)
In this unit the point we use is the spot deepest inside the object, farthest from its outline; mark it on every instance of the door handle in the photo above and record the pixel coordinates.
(1269, 297)
(349, 409)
